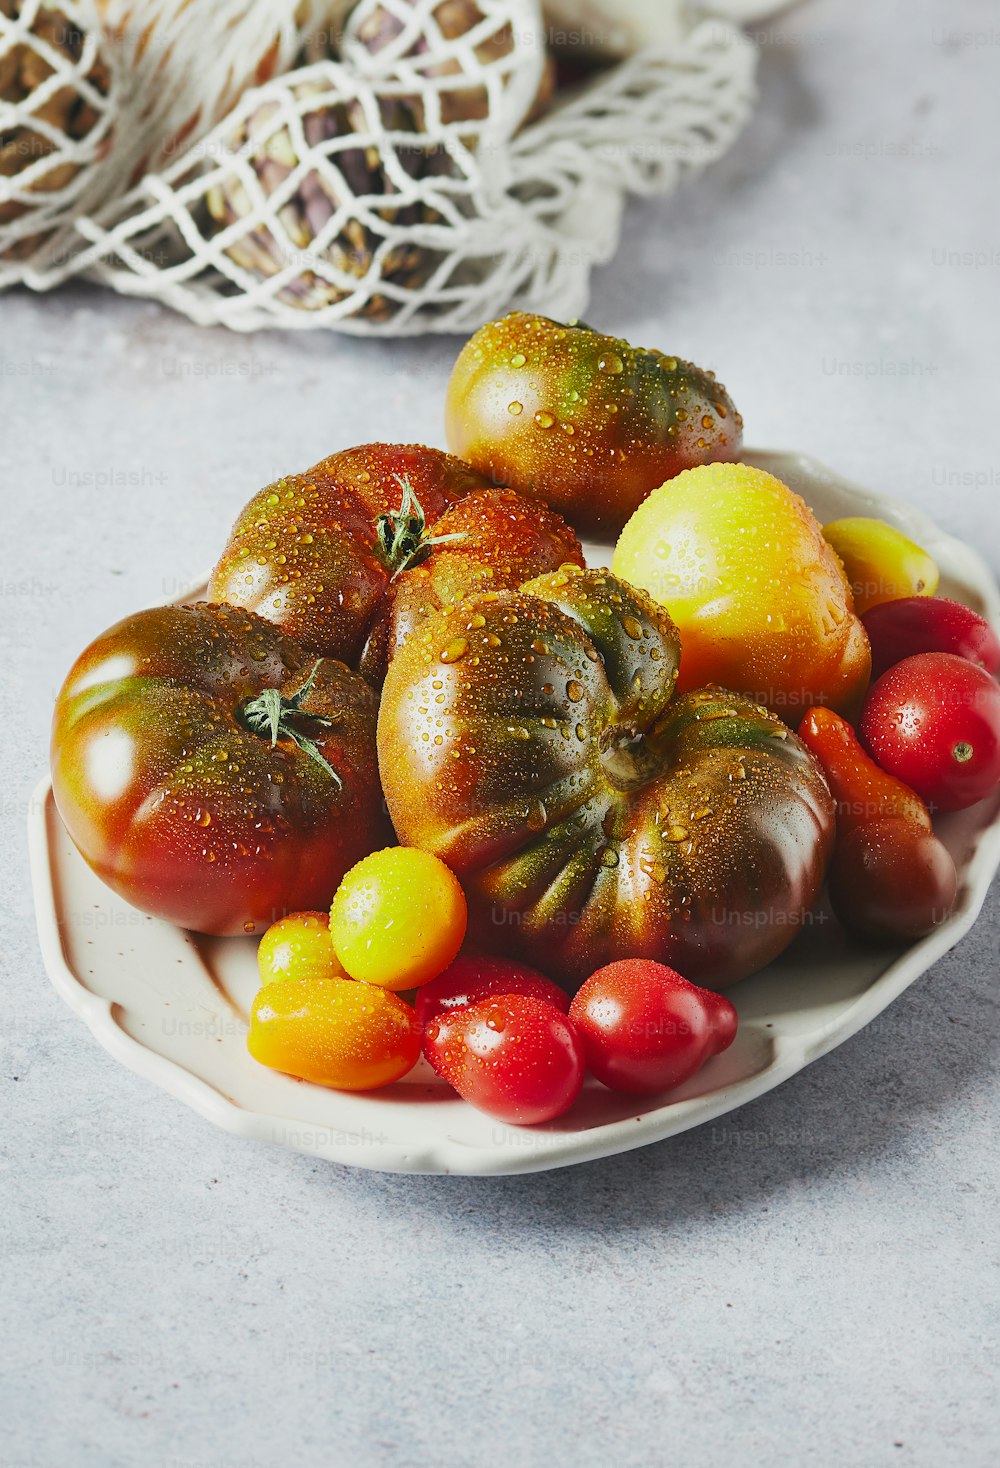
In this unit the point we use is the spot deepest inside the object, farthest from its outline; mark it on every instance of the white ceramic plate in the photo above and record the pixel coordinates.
(173, 1006)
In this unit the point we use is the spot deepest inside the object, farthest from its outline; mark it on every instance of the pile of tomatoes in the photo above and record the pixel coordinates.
(504, 1036)
(598, 780)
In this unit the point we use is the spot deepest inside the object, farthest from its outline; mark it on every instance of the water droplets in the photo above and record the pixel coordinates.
(455, 651)
(536, 816)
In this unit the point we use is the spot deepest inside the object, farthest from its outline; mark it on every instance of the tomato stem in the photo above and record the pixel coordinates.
(270, 711)
(629, 759)
(402, 534)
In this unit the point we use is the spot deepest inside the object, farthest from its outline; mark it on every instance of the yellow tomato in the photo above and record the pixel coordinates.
(298, 947)
(335, 1032)
(398, 918)
(882, 563)
(759, 598)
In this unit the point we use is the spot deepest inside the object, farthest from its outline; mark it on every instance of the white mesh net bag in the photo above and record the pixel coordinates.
(382, 166)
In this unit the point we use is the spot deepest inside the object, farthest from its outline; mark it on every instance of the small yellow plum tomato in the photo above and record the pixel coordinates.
(334, 1032)
(298, 947)
(882, 564)
(398, 918)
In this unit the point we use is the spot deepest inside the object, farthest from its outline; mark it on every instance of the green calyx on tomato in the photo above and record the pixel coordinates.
(272, 712)
(212, 772)
(403, 533)
(534, 741)
(349, 555)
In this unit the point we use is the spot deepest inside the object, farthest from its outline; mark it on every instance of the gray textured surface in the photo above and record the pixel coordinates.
(813, 1279)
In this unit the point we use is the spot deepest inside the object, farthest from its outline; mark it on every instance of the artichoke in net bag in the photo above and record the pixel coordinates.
(52, 80)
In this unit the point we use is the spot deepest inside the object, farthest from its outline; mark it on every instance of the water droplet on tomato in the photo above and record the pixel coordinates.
(536, 816)
(455, 650)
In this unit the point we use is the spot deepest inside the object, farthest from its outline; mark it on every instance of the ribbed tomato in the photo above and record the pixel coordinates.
(533, 741)
(348, 556)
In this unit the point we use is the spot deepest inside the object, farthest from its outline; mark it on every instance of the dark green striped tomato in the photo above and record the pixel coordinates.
(585, 422)
(533, 740)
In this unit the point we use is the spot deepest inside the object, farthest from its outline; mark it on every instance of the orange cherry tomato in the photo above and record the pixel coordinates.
(334, 1032)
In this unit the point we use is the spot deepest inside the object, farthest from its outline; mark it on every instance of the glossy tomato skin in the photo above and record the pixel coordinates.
(514, 1057)
(933, 721)
(177, 805)
(585, 421)
(298, 946)
(892, 881)
(880, 562)
(533, 741)
(473, 977)
(334, 1032)
(306, 553)
(890, 878)
(398, 918)
(645, 1029)
(915, 624)
(760, 599)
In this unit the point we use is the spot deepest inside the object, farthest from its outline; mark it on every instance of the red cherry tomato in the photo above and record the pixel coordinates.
(514, 1057)
(915, 624)
(474, 977)
(645, 1029)
(933, 721)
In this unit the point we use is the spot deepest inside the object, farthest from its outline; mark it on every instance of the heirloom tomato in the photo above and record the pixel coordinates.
(914, 624)
(533, 741)
(645, 1029)
(348, 556)
(584, 421)
(473, 977)
(514, 1057)
(398, 918)
(334, 1032)
(212, 772)
(759, 597)
(890, 877)
(934, 721)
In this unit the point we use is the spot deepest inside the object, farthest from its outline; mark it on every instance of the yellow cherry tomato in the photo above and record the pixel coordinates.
(335, 1032)
(298, 947)
(759, 598)
(882, 563)
(398, 918)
